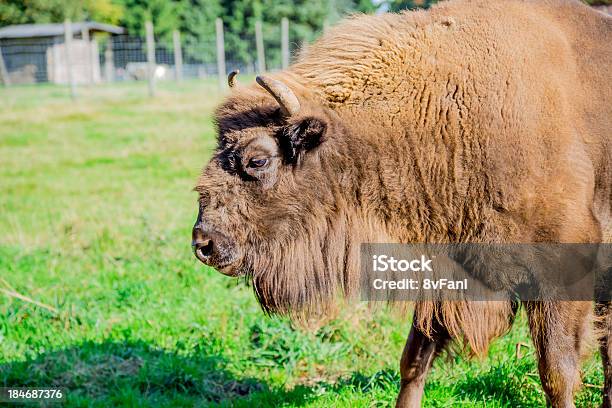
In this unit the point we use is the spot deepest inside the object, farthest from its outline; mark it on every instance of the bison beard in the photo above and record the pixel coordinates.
(472, 122)
(302, 274)
(279, 289)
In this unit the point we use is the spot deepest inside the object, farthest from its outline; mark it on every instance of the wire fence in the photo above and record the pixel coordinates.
(127, 58)
(89, 58)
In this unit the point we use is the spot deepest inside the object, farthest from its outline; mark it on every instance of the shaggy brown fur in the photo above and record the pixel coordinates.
(472, 122)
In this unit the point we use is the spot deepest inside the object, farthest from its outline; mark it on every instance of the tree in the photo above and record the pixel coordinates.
(164, 14)
(56, 11)
(197, 28)
(397, 5)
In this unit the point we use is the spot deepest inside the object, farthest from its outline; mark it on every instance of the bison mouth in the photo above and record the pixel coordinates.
(230, 268)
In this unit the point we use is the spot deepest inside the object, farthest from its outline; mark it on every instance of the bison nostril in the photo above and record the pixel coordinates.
(205, 248)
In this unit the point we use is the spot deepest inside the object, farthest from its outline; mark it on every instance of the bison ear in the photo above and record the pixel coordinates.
(302, 136)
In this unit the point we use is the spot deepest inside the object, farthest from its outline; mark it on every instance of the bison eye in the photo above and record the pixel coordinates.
(257, 162)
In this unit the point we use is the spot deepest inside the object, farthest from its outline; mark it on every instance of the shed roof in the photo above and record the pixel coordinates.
(51, 30)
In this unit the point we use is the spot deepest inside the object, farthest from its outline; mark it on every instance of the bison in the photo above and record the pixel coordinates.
(474, 121)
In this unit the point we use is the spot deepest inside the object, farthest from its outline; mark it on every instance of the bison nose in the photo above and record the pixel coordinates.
(203, 244)
(211, 247)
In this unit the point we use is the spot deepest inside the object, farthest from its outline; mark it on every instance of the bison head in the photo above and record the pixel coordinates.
(277, 201)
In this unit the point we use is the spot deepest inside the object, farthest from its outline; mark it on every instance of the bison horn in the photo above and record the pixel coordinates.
(284, 96)
(231, 78)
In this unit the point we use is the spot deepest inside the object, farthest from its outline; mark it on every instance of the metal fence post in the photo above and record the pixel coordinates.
(261, 58)
(220, 53)
(178, 55)
(109, 67)
(6, 80)
(285, 42)
(150, 57)
(69, 67)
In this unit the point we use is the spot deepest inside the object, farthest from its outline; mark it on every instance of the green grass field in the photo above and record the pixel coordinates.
(96, 211)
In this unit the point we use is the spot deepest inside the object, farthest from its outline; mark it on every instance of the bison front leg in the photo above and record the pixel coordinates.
(419, 353)
(557, 331)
